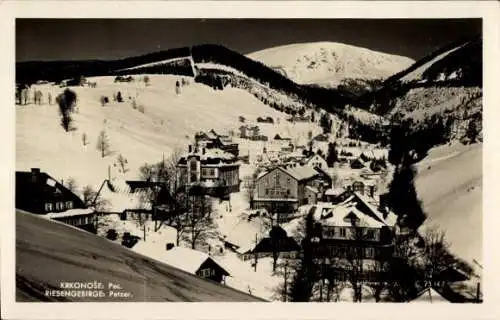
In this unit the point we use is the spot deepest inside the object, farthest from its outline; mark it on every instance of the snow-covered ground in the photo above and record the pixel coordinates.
(167, 123)
(449, 183)
(328, 63)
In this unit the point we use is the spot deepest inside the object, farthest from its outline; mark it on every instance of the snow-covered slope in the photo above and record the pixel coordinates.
(48, 252)
(169, 121)
(328, 63)
(449, 183)
(418, 73)
(459, 62)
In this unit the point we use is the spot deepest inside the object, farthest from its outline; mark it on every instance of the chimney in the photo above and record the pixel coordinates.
(35, 172)
(190, 148)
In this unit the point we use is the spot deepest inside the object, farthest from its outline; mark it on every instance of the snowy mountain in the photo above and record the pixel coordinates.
(457, 62)
(329, 63)
(446, 85)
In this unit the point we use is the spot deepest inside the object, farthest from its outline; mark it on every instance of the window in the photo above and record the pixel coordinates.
(69, 204)
(59, 206)
(370, 252)
(370, 234)
(205, 273)
(343, 232)
(48, 207)
(193, 176)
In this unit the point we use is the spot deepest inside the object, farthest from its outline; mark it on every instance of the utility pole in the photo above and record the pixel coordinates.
(478, 293)
(255, 255)
(285, 293)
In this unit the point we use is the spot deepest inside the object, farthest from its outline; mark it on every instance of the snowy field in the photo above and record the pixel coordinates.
(167, 123)
(449, 183)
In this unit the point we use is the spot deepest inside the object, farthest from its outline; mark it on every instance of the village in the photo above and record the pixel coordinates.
(231, 207)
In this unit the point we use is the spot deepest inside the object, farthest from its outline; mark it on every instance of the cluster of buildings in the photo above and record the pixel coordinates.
(351, 223)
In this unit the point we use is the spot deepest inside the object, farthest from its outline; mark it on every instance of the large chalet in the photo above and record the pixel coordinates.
(354, 229)
(37, 192)
(213, 169)
(283, 190)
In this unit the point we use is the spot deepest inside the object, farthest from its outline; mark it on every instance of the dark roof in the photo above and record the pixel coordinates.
(321, 137)
(298, 173)
(284, 244)
(43, 185)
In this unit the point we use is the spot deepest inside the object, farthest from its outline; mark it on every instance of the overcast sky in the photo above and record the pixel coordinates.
(67, 39)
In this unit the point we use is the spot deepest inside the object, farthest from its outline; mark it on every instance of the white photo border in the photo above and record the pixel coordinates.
(487, 10)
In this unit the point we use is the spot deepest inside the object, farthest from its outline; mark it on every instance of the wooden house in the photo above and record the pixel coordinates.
(37, 192)
(283, 190)
(277, 243)
(354, 229)
(316, 161)
(190, 261)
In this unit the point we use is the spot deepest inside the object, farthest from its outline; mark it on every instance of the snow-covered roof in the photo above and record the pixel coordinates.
(212, 153)
(243, 233)
(182, 258)
(337, 217)
(429, 295)
(312, 189)
(302, 172)
(366, 201)
(121, 198)
(334, 191)
(337, 213)
(69, 213)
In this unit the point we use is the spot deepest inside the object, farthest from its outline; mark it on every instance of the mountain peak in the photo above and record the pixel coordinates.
(328, 63)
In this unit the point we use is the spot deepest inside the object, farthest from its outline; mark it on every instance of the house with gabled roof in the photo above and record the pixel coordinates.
(189, 260)
(354, 229)
(38, 192)
(316, 161)
(283, 189)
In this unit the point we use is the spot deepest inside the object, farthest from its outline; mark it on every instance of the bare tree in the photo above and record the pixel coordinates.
(71, 185)
(91, 198)
(437, 257)
(103, 144)
(250, 187)
(199, 223)
(354, 259)
(85, 139)
(122, 163)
